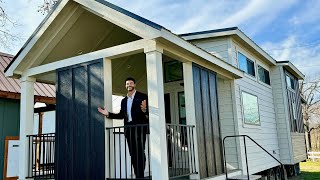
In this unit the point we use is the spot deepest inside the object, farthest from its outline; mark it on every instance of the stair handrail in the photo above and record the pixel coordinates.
(245, 149)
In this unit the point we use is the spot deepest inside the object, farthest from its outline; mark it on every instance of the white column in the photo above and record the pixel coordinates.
(107, 76)
(158, 143)
(26, 124)
(190, 111)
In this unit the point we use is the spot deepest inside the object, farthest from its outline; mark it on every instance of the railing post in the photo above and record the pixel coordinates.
(245, 151)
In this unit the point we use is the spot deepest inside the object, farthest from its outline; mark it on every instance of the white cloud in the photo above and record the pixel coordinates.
(196, 15)
(306, 57)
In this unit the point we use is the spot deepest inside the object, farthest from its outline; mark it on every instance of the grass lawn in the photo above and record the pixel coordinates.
(309, 171)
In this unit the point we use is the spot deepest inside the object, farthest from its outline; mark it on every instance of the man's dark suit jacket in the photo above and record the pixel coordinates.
(138, 116)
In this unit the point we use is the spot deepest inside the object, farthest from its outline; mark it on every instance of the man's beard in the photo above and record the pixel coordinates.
(130, 88)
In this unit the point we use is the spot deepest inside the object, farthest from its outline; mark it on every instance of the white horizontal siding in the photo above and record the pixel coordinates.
(217, 46)
(227, 124)
(265, 134)
(299, 147)
(280, 101)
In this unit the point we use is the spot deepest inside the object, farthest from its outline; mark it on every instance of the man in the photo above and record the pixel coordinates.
(134, 112)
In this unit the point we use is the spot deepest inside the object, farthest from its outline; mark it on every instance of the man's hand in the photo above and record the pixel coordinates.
(103, 111)
(144, 105)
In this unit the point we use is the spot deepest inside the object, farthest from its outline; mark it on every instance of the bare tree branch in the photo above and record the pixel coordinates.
(47, 6)
(7, 37)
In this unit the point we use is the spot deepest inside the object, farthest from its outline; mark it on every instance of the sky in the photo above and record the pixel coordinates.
(286, 29)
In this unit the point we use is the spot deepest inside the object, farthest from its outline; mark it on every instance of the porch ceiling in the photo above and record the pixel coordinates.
(75, 31)
(89, 33)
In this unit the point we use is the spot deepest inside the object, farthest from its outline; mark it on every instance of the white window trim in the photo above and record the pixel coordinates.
(254, 64)
(261, 82)
(249, 125)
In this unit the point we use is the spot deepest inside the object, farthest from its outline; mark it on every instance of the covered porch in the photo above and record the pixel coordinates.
(88, 54)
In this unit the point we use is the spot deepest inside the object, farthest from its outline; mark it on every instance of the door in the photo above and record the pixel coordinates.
(207, 125)
(80, 133)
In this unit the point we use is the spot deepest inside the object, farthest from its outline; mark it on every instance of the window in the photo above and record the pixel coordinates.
(246, 64)
(182, 119)
(250, 109)
(263, 75)
(290, 82)
(182, 108)
(173, 71)
(294, 116)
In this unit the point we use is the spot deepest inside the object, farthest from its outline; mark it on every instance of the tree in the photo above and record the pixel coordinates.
(7, 37)
(310, 91)
(6, 24)
(47, 6)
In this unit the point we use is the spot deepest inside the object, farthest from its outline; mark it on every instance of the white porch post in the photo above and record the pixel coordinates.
(26, 123)
(190, 111)
(107, 76)
(158, 143)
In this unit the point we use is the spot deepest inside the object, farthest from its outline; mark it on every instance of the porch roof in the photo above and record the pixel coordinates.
(141, 27)
(10, 88)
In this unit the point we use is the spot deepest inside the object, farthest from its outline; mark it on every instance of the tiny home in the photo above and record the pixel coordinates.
(219, 106)
(10, 115)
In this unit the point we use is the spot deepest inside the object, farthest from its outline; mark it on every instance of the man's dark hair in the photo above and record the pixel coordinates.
(130, 79)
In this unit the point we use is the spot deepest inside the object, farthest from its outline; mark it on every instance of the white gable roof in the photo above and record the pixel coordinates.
(124, 19)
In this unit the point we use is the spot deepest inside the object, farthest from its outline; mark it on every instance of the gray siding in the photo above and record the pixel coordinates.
(266, 133)
(280, 100)
(227, 118)
(217, 46)
(299, 147)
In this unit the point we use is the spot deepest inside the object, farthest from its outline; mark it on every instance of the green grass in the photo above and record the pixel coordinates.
(310, 170)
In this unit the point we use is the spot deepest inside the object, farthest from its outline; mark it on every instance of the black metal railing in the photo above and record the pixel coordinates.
(128, 152)
(181, 154)
(41, 156)
(283, 176)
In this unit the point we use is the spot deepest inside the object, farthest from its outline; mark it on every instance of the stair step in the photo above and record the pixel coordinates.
(240, 177)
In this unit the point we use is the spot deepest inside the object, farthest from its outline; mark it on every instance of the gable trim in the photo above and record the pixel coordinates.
(123, 18)
(130, 14)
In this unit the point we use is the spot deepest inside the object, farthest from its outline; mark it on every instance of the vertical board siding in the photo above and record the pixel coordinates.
(209, 139)
(80, 128)
(9, 124)
(199, 123)
(297, 133)
(207, 122)
(217, 142)
(294, 96)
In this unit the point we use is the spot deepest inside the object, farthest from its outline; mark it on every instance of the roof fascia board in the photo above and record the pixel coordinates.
(201, 53)
(37, 34)
(293, 69)
(209, 35)
(122, 20)
(229, 33)
(255, 46)
(110, 53)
